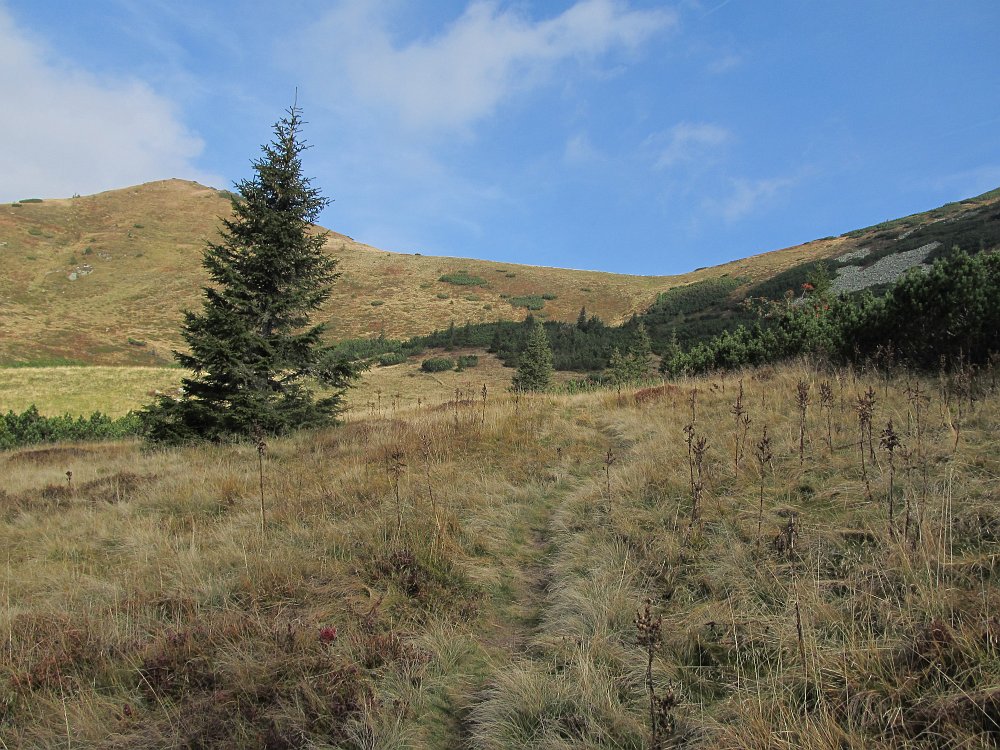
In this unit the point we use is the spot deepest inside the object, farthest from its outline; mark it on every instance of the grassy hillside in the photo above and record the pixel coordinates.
(463, 576)
(115, 390)
(102, 279)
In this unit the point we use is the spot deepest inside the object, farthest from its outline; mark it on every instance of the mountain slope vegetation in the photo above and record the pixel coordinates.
(103, 279)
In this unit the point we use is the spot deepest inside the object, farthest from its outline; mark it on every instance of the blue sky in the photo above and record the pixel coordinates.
(619, 135)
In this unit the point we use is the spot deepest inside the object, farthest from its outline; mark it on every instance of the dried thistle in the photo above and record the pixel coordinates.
(764, 458)
(802, 401)
(261, 445)
(698, 452)
(394, 466)
(826, 403)
(889, 442)
(865, 409)
(426, 454)
(609, 460)
(739, 412)
(649, 634)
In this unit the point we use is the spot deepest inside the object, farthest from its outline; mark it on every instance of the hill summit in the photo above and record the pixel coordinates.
(103, 279)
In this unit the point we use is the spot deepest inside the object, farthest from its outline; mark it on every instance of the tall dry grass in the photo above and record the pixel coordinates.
(143, 606)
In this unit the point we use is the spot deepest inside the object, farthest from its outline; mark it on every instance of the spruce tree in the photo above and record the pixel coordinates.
(254, 355)
(640, 354)
(534, 364)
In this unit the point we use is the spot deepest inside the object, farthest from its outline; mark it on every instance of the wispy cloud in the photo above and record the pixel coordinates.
(687, 142)
(968, 182)
(67, 131)
(746, 196)
(725, 63)
(580, 151)
(462, 74)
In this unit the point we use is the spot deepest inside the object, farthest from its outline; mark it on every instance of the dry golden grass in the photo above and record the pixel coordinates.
(81, 391)
(116, 390)
(468, 577)
(143, 246)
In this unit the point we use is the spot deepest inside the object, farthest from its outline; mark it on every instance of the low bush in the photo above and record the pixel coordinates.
(463, 278)
(530, 301)
(31, 427)
(467, 360)
(437, 364)
(391, 358)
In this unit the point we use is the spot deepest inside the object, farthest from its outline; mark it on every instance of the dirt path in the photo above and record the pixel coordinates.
(536, 538)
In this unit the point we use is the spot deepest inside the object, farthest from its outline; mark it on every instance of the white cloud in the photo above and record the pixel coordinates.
(461, 75)
(687, 142)
(580, 151)
(67, 131)
(749, 195)
(724, 64)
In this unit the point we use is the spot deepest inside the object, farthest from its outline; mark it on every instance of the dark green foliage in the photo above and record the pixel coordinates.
(951, 311)
(584, 347)
(463, 278)
(30, 200)
(693, 298)
(790, 281)
(30, 427)
(437, 364)
(466, 361)
(391, 358)
(534, 365)
(252, 349)
(548, 296)
(945, 315)
(695, 311)
(633, 364)
(48, 362)
(359, 350)
(530, 301)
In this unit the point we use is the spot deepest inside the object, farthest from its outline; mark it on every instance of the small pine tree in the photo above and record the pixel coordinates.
(640, 354)
(534, 365)
(671, 355)
(252, 349)
(619, 369)
(632, 366)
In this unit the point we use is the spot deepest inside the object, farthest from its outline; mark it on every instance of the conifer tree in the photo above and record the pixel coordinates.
(254, 355)
(640, 353)
(534, 364)
(619, 369)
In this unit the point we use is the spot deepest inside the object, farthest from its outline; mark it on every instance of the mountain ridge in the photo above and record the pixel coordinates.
(103, 279)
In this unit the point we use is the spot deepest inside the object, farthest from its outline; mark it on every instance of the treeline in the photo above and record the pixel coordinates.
(584, 346)
(31, 427)
(946, 311)
(587, 345)
(948, 314)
